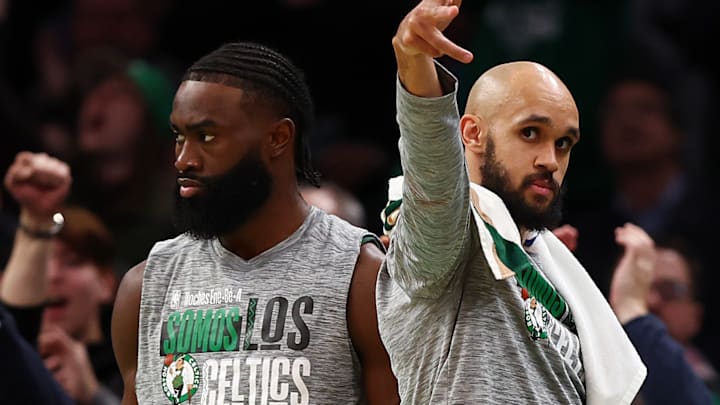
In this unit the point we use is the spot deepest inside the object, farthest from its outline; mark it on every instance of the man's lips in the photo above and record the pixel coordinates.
(188, 186)
(543, 187)
(188, 182)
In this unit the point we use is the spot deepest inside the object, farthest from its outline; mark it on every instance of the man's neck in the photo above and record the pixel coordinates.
(279, 218)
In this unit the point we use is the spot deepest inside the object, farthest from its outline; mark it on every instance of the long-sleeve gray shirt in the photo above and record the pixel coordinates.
(455, 334)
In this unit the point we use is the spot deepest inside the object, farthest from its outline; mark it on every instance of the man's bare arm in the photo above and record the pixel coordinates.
(126, 313)
(40, 184)
(378, 379)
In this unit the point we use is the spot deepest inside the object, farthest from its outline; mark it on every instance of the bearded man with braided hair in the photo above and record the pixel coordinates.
(262, 297)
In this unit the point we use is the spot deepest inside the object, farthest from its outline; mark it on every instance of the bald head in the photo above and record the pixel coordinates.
(507, 84)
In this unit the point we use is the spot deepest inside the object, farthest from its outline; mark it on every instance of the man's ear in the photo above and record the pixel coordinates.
(473, 130)
(281, 137)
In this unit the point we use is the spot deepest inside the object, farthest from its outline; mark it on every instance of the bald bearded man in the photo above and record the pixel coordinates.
(476, 302)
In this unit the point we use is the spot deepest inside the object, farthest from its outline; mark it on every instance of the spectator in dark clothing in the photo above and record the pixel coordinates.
(24, 380)
(670, 378)
(673, 298)
(642, 144)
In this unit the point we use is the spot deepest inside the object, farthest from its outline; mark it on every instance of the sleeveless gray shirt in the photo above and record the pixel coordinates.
(217, 329)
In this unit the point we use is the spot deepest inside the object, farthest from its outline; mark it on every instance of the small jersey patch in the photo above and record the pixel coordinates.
(180, 377)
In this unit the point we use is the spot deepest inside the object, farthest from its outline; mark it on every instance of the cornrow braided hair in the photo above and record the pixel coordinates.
(267, 73)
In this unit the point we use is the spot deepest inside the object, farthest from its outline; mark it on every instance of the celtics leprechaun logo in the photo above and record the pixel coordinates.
(180, 377)
(536, 319)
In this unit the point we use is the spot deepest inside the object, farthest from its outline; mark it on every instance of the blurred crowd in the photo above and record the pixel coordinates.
(90, 83)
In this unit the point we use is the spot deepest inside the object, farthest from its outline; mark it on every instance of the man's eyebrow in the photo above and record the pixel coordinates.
(206, 123)
(574, 132)
(542, 119)
(536, 119)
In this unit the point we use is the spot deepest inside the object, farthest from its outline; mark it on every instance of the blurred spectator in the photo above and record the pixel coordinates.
(674, 39)
(59, 280)
(75, 338)
(642, 143)
(673, 299)
(335, 200)
(132, 27)
(44, 42)
(671, 378)
(27, 381)
(124, 151)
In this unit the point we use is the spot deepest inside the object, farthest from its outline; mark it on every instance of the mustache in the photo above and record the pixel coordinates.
(544, 176)
(213, 182)
(193, 176)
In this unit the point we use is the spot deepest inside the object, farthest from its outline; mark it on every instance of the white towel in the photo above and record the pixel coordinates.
(614, 371)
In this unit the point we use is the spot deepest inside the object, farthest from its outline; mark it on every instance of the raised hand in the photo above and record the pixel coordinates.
(68, 361)
(39, 183)
(568, 235)
(419, 39)
(633, 274)
(421, 31)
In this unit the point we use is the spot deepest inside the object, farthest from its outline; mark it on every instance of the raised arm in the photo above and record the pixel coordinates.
(40, 184)
(434, 219)
(126, 313)
(670, 378)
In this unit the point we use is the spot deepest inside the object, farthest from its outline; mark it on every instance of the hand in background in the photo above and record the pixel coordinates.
(568, 235)
(68, 361)
(634, 273)
(40, 184)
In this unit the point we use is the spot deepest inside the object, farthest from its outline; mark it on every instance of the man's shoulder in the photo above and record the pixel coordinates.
(339, 231)
(181, 249)
(175, 243)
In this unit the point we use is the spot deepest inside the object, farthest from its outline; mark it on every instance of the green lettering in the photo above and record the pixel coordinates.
(185, 332)
(216, 330)
(170, 343)
(201, 331)
(231, 319)
(250, 325)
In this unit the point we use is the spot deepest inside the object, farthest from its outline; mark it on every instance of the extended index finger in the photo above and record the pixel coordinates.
(443, 16)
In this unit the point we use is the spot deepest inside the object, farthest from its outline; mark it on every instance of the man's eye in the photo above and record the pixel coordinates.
(563, 143)
(179, 138)
(207, 137)
(530, 133)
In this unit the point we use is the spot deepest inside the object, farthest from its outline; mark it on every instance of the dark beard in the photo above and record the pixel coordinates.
(495, 178)
(226, 202)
